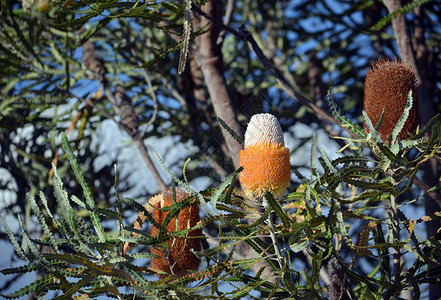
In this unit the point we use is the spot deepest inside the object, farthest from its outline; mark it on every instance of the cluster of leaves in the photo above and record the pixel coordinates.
(78, 257)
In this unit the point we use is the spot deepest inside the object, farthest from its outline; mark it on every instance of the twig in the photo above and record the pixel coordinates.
(434, 195)
(149, 83)
(269, 220)
(145, 155)
(228, 16)
(137, 138)
(395, 228)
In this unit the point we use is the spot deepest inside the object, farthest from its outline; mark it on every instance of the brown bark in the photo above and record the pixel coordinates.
(209, 57)
(191, 86)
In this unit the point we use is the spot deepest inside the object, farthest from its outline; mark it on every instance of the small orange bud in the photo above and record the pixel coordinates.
(178, 258)
(386, 87)
(265, 158)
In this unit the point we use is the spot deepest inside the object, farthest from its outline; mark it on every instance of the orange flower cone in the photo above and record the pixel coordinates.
(265, 158)
(178, 259)
(386, 87)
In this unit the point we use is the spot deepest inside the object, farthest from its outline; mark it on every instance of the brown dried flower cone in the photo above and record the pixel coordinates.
(386, 87)
(178, 258)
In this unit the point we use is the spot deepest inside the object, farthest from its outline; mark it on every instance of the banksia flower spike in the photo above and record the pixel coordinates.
(387, 87)
(265, 159)
(178, 259)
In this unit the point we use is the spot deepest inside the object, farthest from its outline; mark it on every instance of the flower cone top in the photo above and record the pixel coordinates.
(178, 259)
(387, 87)
(265, 158)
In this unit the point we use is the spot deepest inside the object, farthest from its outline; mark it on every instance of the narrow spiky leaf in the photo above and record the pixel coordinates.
(13, 240)
(229, 181)
(73, 224)
(85, 261)
(138, 207)
(230, 131)
(42, 221)
(406, 8)
(403, 119)
(28, 243)
(44, 201)
(43, 284)
(370, 126)
(275, 205)
(86, 190)
(328, 162)
(313, 157)
(345, 122)
(185, 36)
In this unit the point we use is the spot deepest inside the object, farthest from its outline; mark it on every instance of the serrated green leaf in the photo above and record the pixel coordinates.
(355, 128)
(371, 128)
(400, 124)
(328, 162)
(42, 221)
(230, 131)
(28, 243)
(43, 284)
(185, 36)
(273, 204)
(86, 190)
(13, 240)
(313, 157)
(406, 8)
(138, 207)
(229, 181)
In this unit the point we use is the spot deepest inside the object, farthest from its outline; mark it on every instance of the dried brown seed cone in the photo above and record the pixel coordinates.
(386, 87)
(177, 259)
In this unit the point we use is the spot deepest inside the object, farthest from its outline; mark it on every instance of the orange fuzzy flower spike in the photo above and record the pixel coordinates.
(386, 87)
(265, 158)
(178, 259)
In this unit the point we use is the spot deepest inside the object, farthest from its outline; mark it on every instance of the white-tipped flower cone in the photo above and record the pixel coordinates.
(263, 129)
(265, 158)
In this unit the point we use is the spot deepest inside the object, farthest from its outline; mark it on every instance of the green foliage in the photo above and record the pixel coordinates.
(146, 47)
(94, 260)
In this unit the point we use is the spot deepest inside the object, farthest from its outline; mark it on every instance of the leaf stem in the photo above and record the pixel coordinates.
(279, 256)
(395, 230)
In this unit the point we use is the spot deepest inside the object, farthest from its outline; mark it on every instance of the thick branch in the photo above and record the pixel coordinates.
(209, 57)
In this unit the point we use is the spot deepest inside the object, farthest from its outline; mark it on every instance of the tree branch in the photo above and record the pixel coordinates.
(209, 56)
